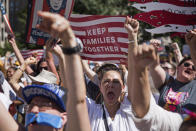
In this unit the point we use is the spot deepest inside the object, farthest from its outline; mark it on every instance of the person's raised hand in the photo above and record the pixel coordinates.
(50, 44)
(54, 47)
(57, 26)
(190, 38)
(143, 56)
(175, 46)
(132, 27)
(11, 39)
(30, 60)
(156, 43)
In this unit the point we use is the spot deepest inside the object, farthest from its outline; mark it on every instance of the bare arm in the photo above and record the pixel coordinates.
(191, 41)
(90, 73)
(123, 67)
(156, 71)
(132, 26)
(7, 123)
(50, 60)
(58, 26)
(18, 54)
(142, 57)
(56, 49)
(15, 78)
(177, 52)
(138, 59)
(6, 60)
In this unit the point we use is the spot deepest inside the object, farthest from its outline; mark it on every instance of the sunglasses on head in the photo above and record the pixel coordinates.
(188, 64)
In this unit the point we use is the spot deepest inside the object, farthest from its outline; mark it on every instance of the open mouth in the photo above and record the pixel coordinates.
(187, 72)
(110, 95)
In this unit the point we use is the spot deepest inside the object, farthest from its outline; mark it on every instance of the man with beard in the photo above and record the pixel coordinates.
(178, 93)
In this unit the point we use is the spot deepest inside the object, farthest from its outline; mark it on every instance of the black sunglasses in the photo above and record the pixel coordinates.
(188, 64)
(45, 68)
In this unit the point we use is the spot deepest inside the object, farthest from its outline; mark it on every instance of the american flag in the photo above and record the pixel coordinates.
(39, 53)
(35, 36)
(167, 15)
(104, 38)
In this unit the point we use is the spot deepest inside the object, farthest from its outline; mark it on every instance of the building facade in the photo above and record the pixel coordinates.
(3, 34)
(12, 7)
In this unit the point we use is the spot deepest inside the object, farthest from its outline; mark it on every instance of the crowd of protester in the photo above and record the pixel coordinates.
(147, 94)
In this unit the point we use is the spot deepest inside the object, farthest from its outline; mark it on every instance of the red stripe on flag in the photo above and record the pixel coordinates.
(181, 35)
(28, 53)
(31, 20)
(72, 5)
(188, 3)
(158, 18)
(7, 24)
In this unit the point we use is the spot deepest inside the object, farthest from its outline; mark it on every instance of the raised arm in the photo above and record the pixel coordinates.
(18, 54)
(177, 52)
(139, 57)
(157, 72)
(142, 57)
(56, 49)
(50, 59)
(191, 41)
(6, 66)
(59, 27)
(15, 78)
(90, 73)
(7, 123)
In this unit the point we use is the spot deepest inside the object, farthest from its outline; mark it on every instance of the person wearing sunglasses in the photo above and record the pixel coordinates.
(180, 92)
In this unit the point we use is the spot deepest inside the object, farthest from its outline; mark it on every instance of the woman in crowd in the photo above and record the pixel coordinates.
(115, 111)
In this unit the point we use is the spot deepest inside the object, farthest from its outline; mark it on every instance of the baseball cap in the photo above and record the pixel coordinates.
(51, 91)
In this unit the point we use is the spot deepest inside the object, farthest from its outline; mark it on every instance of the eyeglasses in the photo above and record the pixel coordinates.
(45, 68)
(186, 64)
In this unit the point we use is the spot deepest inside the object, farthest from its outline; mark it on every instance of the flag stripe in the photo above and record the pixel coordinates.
(29, 53)
(188, 3)
(159, 18)
(100, 21)
(171, 28)
(152, 6)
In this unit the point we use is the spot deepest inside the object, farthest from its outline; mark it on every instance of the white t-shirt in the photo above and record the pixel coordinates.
(122, 121)
(158, 119)
(6, 102)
